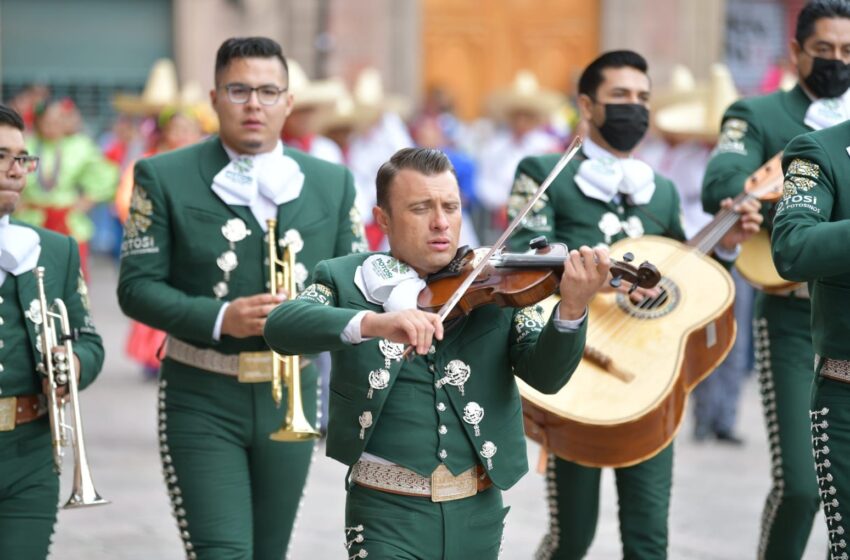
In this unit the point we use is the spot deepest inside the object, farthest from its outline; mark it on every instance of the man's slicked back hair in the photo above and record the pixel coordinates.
(815, 10)
(426, 161)
(248, 47)
(592, 76)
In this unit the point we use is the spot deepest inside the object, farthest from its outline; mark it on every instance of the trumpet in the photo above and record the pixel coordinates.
(286, 369)
(61, 372)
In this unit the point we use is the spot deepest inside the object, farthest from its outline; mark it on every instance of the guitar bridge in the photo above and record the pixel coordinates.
(602, 360)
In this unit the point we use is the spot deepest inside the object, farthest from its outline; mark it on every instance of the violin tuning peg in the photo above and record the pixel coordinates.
(615, 282)
(539, 242)
(628, 257)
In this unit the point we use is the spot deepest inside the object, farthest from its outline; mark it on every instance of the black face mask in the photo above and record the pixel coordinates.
(624, 126)
(829, 77)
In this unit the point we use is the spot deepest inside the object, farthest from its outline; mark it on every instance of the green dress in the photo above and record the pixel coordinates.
(420, 421)
(754, 130)
(29, 487)
(810, 238)
(235, 493)
(69, 168)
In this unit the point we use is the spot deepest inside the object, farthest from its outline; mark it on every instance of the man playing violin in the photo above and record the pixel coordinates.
(432, 440)
(601, 197)
(753, 131)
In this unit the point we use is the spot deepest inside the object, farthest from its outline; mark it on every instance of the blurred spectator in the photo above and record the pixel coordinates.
(374, 144)
(428, 133)
(523, 111)
(689, 124)
(72, 177)
(26, 101)
(310, 100)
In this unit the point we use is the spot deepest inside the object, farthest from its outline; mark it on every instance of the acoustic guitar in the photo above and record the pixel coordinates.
(755, 263)
(625, 401)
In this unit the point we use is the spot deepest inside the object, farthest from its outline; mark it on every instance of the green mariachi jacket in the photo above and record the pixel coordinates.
(754, 130)
(174, 244)
(811, 232)
(565, 215)
(20, 354)
(496, 343)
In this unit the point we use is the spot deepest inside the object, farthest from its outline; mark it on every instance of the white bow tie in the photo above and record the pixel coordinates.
(275, 175)
(824, 113)
(387, 281)
(605, 177)
(20, 248)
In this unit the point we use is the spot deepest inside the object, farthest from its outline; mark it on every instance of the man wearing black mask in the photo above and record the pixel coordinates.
(605, 195)
(753, 131)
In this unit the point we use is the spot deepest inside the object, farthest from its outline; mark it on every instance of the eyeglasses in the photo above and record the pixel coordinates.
(27, 163)
(266, 95)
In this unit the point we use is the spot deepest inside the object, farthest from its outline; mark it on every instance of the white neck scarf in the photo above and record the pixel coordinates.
(603, 176)
(824, 113)
(20, 248)
(248, 179)
(386, 281)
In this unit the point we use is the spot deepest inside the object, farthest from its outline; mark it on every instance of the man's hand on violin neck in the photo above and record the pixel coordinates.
(411, 326)
(585, 273)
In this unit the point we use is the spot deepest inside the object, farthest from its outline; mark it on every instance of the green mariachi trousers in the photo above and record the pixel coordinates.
(384, 526)
(830, 425)
(235, 493)
(29, 491)
(643, 492)
(784, 361)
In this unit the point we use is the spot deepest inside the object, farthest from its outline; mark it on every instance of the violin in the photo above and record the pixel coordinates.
(516, 279)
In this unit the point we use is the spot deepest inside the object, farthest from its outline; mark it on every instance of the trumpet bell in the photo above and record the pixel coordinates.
(297, 429)
(84, 500)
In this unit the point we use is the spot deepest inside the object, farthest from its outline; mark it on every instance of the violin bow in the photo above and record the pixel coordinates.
(569, 154)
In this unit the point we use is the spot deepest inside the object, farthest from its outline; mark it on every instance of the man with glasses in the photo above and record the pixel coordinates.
(29, 486)
(753, 131)
(195, 264)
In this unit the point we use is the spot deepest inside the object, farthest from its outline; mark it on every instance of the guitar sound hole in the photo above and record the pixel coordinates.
(651, 308)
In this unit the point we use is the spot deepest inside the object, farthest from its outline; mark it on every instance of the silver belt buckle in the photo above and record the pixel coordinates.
(8, 413)
(446, 487)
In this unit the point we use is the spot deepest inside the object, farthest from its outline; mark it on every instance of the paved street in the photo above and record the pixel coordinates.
(717, 494)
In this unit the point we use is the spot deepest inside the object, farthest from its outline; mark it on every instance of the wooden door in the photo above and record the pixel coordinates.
(471, 48)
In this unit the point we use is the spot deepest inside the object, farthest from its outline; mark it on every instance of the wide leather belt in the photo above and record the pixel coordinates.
(839, 370)
(21, 409)
(248, 367)
(441, 486)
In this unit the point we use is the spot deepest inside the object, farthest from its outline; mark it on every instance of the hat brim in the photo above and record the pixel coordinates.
(502, 104)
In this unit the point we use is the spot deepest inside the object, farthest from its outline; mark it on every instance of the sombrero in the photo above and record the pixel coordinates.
(699, 114)
(308, 93)
(525, 94)
(160, 91)
(370, 97)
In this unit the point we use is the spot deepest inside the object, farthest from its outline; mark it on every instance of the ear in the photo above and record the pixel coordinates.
(213, 96)
(381, 218)
(585, 107)
(290, 102)
(794, 50)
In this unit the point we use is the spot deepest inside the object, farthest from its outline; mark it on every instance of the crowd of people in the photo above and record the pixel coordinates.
(371, 199)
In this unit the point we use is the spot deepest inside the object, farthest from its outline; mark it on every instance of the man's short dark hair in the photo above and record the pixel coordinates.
(426, 161)
(248, 47)
(10, 117)
(592, 76)
(815, 10)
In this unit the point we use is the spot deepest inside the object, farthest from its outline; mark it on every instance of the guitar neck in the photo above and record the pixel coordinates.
(708, 237)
